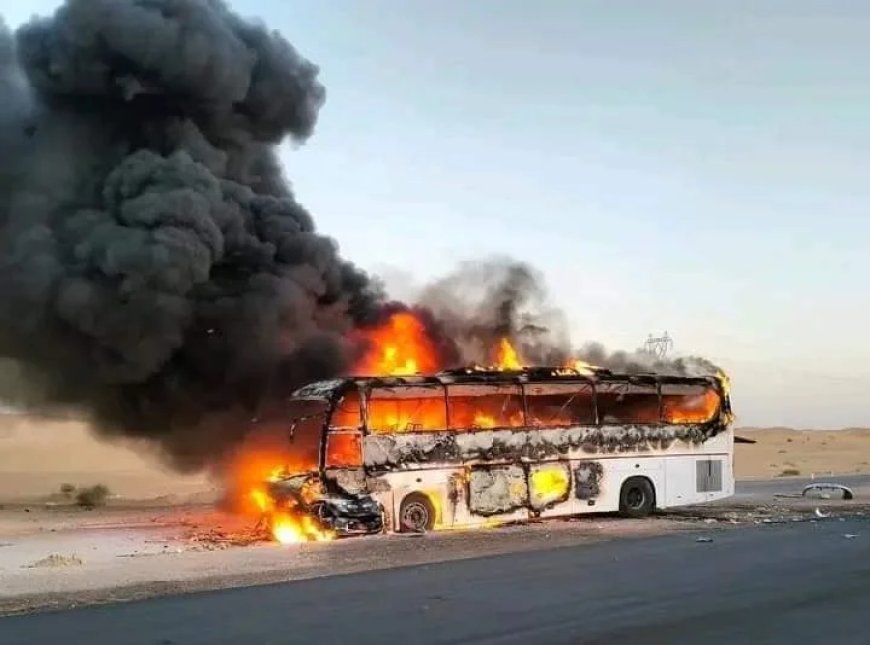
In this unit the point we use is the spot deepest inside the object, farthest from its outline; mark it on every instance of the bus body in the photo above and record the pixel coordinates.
(467, 448)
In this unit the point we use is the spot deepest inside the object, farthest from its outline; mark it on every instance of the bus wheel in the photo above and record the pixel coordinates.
(416, 514)
(637, 497)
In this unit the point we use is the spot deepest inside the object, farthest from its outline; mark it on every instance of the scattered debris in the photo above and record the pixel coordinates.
(56, 560)
(218, 539)
(825, 488)
(819, 513)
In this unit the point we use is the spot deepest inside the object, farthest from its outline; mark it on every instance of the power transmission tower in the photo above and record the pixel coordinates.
(658, 346)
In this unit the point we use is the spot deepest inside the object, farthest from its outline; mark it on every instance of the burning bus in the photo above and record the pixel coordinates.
(471, 447)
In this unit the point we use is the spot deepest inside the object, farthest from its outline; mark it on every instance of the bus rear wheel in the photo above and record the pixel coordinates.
(416, 514)
(637, 497)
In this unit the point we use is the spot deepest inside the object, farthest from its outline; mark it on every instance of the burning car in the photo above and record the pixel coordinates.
(333, 510)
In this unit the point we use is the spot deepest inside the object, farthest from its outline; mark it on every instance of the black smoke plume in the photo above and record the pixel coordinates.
(155, 268)
(483, 301)
(156, 272)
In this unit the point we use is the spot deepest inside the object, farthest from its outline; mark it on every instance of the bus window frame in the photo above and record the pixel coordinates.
(336, 401)
(515, 384)
(365, 395)
(587, 383)
(294, 420)
(629, 384)
(333, 432)
(707, 387)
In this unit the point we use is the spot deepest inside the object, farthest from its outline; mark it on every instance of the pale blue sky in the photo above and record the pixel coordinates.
(699, 167)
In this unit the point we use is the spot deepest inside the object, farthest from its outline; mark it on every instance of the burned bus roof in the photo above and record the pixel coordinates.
(325, 389)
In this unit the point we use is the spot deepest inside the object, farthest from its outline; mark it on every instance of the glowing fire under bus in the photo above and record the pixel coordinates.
(467, 448)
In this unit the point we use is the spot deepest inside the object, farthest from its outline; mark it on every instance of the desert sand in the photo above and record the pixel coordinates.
(783, 452)
(38, 455)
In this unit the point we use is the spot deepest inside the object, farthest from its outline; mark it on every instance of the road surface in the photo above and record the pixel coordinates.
(765, 488)
(797, 582)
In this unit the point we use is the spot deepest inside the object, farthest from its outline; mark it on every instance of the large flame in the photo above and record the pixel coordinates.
(263, 458)
(400, 346)
(507, 357)
(286, 525)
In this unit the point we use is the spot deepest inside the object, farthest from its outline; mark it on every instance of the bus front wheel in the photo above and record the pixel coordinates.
(637, 497)
(416, 514)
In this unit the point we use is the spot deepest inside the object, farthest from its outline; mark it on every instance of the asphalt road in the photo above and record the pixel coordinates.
(801, 582)
(793, 485)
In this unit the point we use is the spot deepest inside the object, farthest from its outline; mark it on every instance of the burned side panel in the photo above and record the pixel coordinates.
(351, 480)
(400, 450)
(497, 490)
(587, 479)
(549, 484)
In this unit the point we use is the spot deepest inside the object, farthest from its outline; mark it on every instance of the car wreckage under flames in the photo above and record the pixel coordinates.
(470, 447)
(334, 510)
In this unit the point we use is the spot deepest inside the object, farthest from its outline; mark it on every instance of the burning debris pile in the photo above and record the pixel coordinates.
(158, 274)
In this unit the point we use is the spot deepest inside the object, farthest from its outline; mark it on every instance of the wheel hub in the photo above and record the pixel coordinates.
(415, 516)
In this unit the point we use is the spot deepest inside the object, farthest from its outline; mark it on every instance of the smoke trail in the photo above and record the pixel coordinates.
(484, 301)
(156, 269)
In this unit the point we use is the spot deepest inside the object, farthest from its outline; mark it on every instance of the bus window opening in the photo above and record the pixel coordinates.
(485, 406)
(559, 404)
(344, 450)
(689, 403)
(406, 409)
(622, 403)
(347, 412)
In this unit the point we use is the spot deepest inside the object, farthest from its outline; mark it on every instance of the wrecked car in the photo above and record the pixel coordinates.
(336, 511)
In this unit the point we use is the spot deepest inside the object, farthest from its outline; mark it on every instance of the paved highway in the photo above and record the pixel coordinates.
(793, 485)
(801, 582)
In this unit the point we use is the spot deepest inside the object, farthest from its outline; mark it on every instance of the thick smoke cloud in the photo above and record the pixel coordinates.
(156, 272)
(155, 268)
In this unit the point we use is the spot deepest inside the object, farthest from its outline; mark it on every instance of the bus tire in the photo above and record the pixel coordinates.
(637, 498)
(416, 514)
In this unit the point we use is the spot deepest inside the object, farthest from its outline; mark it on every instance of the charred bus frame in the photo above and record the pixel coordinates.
(443, 477)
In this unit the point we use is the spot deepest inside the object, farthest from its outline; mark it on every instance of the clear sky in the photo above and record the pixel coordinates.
(695, 167)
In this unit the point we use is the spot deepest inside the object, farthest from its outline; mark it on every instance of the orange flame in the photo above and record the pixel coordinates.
(507, 357)
(400, 346)
(263, 457)
(287, 526)
(482, 420)
(581, 367)
(691, 409)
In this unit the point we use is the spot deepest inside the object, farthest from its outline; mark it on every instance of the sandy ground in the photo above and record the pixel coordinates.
(37, 456)
(786, 452)
(160, 533)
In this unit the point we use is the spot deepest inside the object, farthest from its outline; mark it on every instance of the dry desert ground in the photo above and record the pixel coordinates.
(160, 532)
(782, 452)
(38, 455)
